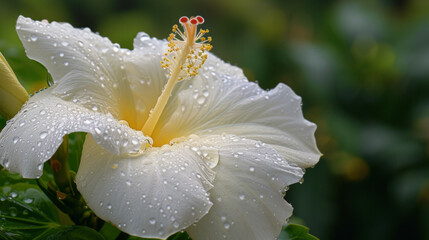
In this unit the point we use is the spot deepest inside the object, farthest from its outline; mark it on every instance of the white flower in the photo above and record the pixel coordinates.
(220, 155)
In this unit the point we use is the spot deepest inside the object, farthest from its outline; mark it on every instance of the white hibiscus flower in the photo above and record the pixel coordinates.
(211, 155)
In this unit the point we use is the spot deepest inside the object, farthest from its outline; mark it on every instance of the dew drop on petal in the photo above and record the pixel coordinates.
(176, 225)
(6, 163)
(43, 135)
(242, 197)
(97, 130)
(152, 221)
(201, 100)
(226, 225)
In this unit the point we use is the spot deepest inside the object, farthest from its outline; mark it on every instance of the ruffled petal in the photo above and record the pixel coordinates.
(35, 133)
(86, 68)
(251, 178)
(153, 194)
(221, 102)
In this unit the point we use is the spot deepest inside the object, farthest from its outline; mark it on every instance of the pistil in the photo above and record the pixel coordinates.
(184, 57)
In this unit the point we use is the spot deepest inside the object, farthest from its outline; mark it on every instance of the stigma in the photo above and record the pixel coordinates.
(185, 55)
(186, 49)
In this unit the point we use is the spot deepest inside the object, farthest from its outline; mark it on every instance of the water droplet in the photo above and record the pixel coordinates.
(176, 225)
(34, 38)
(65, 44)
(40, 166)
(101, 203)
(80, 43)
(13, 194)
(152, 221)
(15, 139)
(66, 64)
(43, 135)
(144, 37)
(205, 93)
(201, 100)
(95, 108)
(13, 211)
(128, 182)
(242, 197)
(42, 112)
(28, 200)
(252, 169)
(109, 206)
(226, 225)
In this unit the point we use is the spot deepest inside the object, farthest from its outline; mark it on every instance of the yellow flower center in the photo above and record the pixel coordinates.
(185, 55)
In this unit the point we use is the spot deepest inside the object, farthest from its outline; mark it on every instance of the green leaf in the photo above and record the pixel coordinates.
(296, 232)
(25, 212)
(70, 233)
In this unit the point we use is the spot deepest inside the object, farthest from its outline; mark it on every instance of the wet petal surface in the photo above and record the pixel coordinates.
(154, 194)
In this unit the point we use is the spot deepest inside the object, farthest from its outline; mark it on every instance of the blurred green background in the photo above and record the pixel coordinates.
(362, 68)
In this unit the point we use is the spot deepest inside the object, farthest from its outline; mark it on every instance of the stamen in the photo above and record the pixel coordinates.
(185, 55)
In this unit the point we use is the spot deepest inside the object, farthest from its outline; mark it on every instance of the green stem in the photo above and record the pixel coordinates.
(59, 165)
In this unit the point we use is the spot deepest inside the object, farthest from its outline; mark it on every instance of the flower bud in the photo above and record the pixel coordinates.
(12, 93)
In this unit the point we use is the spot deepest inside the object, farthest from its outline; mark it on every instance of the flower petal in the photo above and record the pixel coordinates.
(35, 133)
(147, 78)
(145, 75)
(217, 102)
(86, 67)
(248, 191)
(153, 194)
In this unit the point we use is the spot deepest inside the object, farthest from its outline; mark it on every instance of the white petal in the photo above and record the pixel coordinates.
(145, 75)
(153, 194)
(35, 133)
(147, 78)
(218, 102)
(86, 67)
(247, 193)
